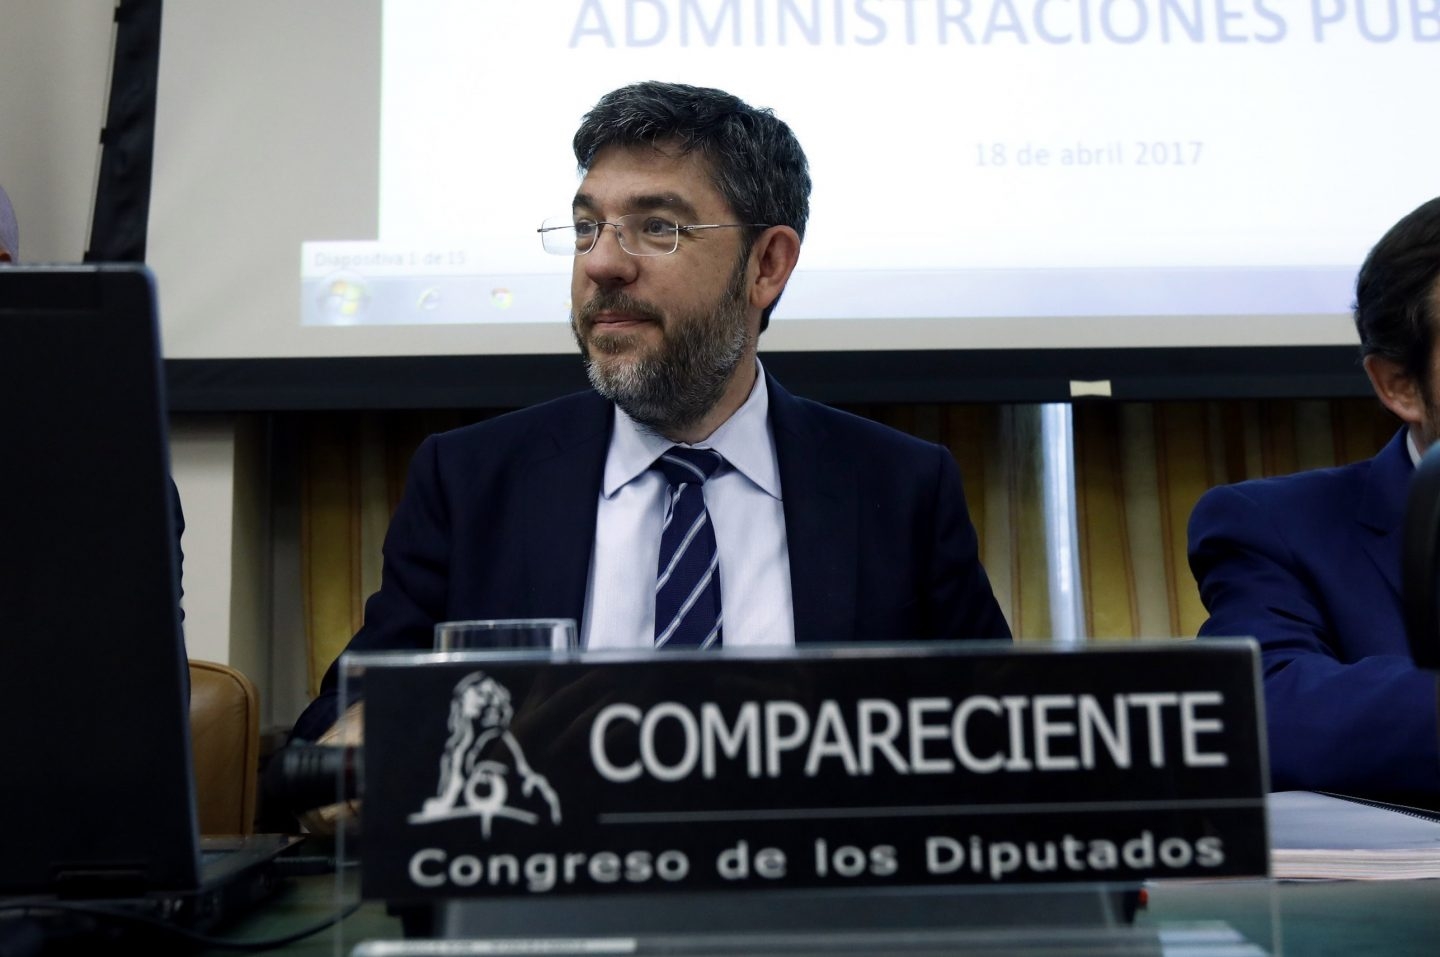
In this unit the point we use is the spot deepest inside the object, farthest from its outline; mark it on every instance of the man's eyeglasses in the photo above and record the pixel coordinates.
(640, 234)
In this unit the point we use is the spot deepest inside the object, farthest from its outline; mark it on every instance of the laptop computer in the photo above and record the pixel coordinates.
(98, 800)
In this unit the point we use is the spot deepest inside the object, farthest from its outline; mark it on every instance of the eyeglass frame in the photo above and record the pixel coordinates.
(600, 225)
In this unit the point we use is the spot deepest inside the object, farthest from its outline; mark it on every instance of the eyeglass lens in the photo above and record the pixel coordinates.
(640, 234)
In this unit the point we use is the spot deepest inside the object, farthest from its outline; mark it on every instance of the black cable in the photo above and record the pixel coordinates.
(39, 908)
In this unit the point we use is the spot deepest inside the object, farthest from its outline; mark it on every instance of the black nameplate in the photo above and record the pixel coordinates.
(695, 772)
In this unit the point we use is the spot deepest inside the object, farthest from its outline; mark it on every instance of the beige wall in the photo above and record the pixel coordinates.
(54, 76)
(219, 468)
(242, 604)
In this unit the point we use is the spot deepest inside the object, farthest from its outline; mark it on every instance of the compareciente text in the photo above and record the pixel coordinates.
(980, 734)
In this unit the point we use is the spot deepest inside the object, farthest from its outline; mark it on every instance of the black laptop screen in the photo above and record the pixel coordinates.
(97, 797)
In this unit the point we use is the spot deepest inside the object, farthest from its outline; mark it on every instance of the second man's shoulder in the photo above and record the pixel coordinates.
(1300, 505)
(1320, 486)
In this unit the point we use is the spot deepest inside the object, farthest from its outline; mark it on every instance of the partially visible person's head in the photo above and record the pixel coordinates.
(9, 230)
(1397, 313)
(753, 158)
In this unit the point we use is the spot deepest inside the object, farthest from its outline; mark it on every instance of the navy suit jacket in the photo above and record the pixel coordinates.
(498, 521)
(1309, 565)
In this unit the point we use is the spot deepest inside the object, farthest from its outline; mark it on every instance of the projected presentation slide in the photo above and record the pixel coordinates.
(971, 158)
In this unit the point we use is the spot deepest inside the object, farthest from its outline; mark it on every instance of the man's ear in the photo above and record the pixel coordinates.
(772, 260)
(1396, 388)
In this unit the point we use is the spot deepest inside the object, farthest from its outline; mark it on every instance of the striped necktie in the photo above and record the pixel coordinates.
(687, 584)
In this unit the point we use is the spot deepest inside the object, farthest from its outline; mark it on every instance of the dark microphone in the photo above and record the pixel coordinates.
(302, 776)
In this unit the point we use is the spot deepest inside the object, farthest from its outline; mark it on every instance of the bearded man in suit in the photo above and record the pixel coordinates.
(822, 527)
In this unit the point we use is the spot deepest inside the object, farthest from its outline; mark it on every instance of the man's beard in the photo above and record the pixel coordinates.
(673, 386)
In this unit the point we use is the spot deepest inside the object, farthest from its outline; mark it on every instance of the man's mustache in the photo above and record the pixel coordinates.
(616, 301)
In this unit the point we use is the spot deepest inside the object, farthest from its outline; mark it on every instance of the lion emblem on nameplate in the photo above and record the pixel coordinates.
(483, 770)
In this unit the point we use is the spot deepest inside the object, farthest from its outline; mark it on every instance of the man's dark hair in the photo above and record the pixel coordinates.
(1396, 293)
(755, 161)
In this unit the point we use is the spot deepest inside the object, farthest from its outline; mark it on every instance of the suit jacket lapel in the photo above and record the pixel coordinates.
(564, 479)
(819, 487)
(1382, 507)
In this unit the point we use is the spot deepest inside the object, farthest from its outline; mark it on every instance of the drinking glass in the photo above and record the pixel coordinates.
(493, 634)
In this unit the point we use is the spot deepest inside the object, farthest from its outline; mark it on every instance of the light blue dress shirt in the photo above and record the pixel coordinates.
(746, 508)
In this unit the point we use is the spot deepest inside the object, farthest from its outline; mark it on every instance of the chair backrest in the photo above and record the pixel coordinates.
(225, 740)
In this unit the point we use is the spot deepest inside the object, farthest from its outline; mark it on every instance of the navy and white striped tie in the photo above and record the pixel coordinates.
(687, 585)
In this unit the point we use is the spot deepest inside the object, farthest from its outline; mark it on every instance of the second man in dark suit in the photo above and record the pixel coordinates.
(1309, 564)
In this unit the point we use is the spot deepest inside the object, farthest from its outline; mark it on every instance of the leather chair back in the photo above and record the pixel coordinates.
(225, 740)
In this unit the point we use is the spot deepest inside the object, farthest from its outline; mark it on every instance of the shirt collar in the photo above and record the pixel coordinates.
(1414, 449)
(744, 440)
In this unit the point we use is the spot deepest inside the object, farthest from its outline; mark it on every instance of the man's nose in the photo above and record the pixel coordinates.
(606, 264)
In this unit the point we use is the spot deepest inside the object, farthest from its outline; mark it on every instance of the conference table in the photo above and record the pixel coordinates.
(1302, 917)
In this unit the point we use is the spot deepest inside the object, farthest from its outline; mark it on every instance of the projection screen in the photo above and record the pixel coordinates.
(994, 180)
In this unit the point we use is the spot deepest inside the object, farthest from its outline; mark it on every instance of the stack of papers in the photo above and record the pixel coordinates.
(1319, 837)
